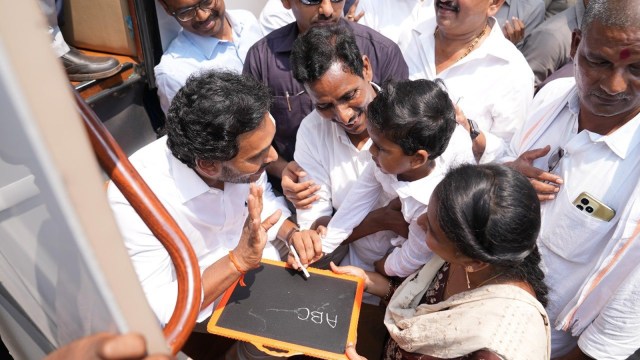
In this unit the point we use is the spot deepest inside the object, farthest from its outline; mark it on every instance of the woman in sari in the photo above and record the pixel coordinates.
(482, 295)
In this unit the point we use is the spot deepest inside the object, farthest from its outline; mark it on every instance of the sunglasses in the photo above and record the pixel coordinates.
(555, 158)
(317, 2)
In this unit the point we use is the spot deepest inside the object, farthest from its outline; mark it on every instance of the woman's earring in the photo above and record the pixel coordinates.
(467, 270)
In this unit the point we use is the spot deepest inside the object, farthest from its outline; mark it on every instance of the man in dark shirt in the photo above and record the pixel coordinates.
(268, 61)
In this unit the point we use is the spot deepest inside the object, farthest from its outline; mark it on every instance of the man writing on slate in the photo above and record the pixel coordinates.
(216, 146)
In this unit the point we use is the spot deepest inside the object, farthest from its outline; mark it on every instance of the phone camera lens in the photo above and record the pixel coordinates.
(585, 201)
(589, 209)
(580, 207)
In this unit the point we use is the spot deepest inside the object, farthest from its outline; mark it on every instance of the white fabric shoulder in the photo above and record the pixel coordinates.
(501, 318)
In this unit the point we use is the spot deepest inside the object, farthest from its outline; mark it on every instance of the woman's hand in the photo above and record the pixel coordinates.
(353, 271)
(352, 354)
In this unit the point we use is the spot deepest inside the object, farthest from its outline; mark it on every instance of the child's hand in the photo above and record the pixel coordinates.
(351, 270)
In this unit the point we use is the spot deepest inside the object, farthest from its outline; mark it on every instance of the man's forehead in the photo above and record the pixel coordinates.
(625, 41)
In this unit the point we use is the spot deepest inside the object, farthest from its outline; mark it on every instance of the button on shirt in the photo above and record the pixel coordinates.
(493, 85)
(268, 62)
(189, 53)
(212, 220)
(606, 166)
(395, 18)
(407, 255)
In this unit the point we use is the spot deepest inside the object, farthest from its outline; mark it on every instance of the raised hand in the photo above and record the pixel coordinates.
(514, 30)
(351, 13)
(254, 234)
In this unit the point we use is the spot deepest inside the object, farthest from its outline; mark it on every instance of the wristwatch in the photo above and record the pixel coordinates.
(473, 129)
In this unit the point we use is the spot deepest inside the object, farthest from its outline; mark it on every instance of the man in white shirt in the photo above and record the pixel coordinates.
(212, 37)
(395, 18)
(487, 76)
(215, 146)
(581, 149)
(333, 143)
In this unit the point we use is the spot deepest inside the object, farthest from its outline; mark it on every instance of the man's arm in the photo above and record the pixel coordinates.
(106, 346)
(615, 333)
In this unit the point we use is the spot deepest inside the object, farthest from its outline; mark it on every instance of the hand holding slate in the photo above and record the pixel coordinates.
(254, 234)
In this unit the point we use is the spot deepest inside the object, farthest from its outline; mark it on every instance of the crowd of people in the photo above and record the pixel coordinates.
(421, 146)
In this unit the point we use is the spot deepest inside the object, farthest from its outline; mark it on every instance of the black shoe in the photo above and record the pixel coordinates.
(81, 67)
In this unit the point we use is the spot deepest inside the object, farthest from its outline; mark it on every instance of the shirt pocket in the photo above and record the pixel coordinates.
(569, 232)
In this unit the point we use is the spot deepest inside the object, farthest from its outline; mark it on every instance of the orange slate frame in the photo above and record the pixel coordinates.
(289, 349)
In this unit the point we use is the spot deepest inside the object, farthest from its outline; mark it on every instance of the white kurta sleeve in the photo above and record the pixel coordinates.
(615, 333)
(315, 164)
(408, 258)
(149, 258)
(360, 200)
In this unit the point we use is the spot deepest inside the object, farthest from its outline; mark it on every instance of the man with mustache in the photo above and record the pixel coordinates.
(268, 61)
(208, 171)
(581, 150)
(212, 37)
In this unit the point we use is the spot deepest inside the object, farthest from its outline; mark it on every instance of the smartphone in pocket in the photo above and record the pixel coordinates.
(593, 207)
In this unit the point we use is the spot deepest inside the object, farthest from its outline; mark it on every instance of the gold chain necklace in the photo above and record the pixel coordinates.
(447, 293)
(471, 46)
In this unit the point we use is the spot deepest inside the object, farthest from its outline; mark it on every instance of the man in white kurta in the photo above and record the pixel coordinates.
(585, 257)
(202, 179)
(212, 220)
(493, 84)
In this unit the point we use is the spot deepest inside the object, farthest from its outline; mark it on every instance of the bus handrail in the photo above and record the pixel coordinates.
(117, 166)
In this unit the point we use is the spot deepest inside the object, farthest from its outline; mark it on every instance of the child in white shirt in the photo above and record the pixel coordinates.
(412, 125)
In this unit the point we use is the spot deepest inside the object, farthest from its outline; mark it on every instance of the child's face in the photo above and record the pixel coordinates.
(387, 155)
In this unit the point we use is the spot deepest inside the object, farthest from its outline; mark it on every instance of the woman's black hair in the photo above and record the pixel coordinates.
(492, 214)
(415, 114)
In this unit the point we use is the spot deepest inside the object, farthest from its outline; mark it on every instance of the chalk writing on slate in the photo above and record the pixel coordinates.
(280, 305)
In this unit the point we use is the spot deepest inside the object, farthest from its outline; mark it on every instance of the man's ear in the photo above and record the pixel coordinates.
(419, 158)
(576, 36)
(367, 72)
(209, 169)
(494, 6)
(287, 4)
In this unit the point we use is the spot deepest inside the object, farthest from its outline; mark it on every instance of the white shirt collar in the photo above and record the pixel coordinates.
(622, 141)
(493, 45)
(187, 181)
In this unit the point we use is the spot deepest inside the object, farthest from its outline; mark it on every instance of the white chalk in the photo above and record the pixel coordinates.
(297, 258)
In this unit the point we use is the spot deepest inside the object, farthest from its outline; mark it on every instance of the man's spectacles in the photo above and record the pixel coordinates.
(555, 158)
(316, 2)
(188, 13)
